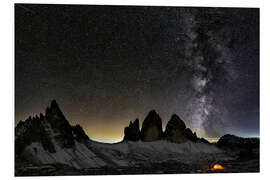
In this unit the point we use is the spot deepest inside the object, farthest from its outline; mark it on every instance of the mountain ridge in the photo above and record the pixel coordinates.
(57, 120)
(50, 140)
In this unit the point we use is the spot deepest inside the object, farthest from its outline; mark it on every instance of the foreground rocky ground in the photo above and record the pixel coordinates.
(233, 162)
(164, 168)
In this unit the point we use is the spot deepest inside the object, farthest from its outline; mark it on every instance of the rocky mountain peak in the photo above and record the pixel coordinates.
(175, 122)
(132, 132)
(136, 125)
(43, 129)
(59, 123)
(54, 111)
(175, 129)
(151, 127)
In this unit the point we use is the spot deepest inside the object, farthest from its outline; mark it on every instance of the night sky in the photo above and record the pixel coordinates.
(107, 65)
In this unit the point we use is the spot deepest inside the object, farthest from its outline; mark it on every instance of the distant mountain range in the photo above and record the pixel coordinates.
(50, 140)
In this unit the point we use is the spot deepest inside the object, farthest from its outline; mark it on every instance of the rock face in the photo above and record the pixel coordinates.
(59, 123)
(176, 131)
(190, 136)
(151, 127)
(132, 132)
(32, 130)
(79, 134)
(232, 142)
(40, 129)
(51, 139)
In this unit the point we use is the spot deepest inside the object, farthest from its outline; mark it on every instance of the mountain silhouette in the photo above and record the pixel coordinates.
(48, 143)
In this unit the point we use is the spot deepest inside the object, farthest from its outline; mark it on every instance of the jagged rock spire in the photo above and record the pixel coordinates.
(176, 131)
(174, 123)
(58, 122)
(34, 129)
(151, 127)
(54, 110)
(132, 132)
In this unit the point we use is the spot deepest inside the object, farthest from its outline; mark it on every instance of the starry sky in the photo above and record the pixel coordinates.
(107, 65)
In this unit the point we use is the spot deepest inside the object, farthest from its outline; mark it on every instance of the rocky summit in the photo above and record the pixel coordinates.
(132, 132)
(41, 128)
(51, 139)
(59, 123)
(152, 127)
(175, 130)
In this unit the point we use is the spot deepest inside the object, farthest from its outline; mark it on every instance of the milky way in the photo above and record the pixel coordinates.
(107, 65)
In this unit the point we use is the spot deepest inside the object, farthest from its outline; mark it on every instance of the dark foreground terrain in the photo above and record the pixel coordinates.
(233, 162)
(231, 166)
